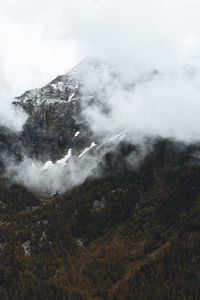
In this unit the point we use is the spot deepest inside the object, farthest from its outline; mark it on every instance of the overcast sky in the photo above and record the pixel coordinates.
(43, 38)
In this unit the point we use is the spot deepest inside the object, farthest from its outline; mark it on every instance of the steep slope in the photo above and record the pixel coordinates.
(56, 112)
(129, 231)
(57, 131)
(54, 118)
(57, 127)
(132, 234)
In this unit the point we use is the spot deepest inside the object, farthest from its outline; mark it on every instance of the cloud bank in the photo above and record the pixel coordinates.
(158, 104)
(150, 81)
(42, 39)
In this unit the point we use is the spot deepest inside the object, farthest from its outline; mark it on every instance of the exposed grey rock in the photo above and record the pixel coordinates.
(54, 117)
(98, 204)
(27, 248)
(56, 123)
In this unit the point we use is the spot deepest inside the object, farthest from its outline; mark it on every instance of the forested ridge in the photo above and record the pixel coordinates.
(131, 233)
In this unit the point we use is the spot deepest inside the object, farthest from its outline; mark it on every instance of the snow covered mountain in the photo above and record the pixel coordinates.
(57, 140)
(54, 119)
(56, 129)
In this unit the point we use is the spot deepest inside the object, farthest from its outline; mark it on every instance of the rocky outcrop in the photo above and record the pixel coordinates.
(56, 122)
(54, 118)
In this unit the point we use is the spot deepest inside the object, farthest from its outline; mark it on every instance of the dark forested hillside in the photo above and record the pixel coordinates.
(132, 233)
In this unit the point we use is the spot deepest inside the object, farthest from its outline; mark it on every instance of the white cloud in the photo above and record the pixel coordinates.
(41, 39)
(167, 105)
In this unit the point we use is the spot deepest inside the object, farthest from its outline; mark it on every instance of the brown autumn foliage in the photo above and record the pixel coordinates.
(132, 234)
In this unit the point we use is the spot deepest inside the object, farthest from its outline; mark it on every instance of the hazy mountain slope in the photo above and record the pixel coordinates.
(130, 230)
(132, 234)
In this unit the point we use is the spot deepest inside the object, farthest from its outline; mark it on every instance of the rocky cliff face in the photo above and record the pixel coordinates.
(57, 133)
(56, 125)
(55, 122)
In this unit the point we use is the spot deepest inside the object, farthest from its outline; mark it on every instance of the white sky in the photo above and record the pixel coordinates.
(41, 39)
(32, 49)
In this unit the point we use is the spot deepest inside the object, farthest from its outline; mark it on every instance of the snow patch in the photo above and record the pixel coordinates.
(102, 144)
(120, 136)
(93, 144)
(47, 165)
(64, 160)
(58, 86)
(71, 97)
(77, 133)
